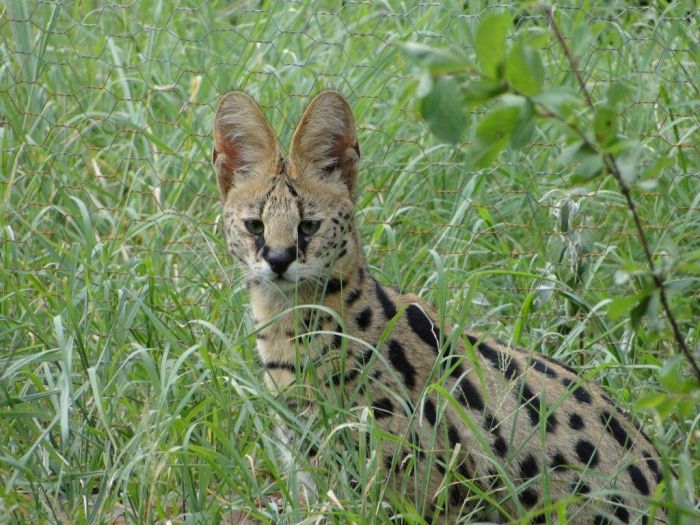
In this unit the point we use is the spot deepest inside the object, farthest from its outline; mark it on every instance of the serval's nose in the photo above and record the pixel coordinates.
(280, 259)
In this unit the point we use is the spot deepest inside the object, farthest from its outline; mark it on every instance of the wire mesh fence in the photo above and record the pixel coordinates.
(109, 200)
(106, 137)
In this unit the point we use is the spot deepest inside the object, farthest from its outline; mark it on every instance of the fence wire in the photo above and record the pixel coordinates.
(105, 128)
(109, 234)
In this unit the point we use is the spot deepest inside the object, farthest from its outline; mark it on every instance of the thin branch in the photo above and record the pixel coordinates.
(612, 167)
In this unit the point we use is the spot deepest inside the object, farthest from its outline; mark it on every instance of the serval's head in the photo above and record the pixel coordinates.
(289, 222)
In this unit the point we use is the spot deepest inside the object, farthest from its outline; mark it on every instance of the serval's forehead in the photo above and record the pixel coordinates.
(263, 191)
(281, 199)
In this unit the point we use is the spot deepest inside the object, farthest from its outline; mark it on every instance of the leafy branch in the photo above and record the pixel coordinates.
(611, 165)
(515, 76)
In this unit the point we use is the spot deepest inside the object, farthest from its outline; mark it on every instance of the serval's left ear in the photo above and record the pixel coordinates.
(325, 143)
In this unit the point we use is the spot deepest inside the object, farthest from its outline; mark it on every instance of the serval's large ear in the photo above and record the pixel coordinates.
(325, 142)
(244, 144)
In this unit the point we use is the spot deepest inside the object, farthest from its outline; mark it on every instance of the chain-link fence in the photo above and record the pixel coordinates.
(109, 201)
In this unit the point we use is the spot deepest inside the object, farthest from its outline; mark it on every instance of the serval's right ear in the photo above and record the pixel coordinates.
(244, 144)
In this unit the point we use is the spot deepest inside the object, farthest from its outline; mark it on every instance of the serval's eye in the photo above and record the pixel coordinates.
(254, 226)
(309, 227)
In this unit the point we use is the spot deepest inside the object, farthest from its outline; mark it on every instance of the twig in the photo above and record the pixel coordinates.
(611, 165)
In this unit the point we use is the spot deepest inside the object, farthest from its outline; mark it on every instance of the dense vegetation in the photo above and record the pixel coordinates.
(129, 386)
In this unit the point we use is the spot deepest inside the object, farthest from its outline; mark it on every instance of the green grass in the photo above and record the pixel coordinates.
(129, 384)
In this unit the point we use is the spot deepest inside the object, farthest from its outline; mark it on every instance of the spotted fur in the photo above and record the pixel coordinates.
(524, 418)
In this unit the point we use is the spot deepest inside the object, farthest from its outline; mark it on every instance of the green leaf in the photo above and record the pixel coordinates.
(537, 37)
(437, 61)
(590, 162)
(661, 402)
(671, 376)
(493, 134)
(442, 110)
(524, 70)
(572, 153)
(479, 91)
(620, 306)
(651, 400)
(639, 311)
(686, 408)
(425, 85)
(665, 408)
(617, 92)
(658, 166)
(605, 125)
(485, 216)
(491, 43)
(559, 100)
(525, 129)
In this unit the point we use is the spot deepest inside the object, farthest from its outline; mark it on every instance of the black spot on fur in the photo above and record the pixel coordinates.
(390, 466)
(579, 392)
(601, 520)
(280, 365)
(499, 360)
(387, 305)
(563, 365)
(469, 395)
(440, 464)
(261, 336)
(576, 421)
(259, 244)
(542, 368)
(337, 341)
(528, 497)
(397, 357)
(348, 377)
(456, 494)
(529, 467)
(640, 482)
(423, 327)
(559, 462)
(291, 188)
(364, 318)
(615, 429)
(653, 466)
(586, 452)
(510, 370)
(429, 410)
(621, 512)
(578, 486)
(312, 451)
(464, 471)
(453, 435)
(500, 446)
(383, 407)
(364, 359)
(490, 423)
(360, 276)
(492, 478)
(333, 285)
(532, 404)
(353, 296)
